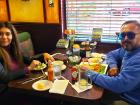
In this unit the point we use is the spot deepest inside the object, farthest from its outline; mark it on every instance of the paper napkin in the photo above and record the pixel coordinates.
(76, 87)
(59, 86)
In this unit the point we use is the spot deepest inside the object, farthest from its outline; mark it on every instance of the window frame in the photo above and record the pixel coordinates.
(115, 40)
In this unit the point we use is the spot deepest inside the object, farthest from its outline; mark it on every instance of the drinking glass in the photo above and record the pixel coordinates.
(57, 71)
(84, 80)
(76, 51)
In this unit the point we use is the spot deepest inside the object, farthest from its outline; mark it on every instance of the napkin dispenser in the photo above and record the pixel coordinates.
(62, 43)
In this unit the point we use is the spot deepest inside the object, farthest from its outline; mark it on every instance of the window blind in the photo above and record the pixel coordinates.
(84, 15)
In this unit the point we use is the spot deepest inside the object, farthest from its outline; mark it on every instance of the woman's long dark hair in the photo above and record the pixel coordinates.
(14, 48)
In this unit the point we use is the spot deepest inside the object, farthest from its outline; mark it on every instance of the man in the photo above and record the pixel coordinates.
(127, 81)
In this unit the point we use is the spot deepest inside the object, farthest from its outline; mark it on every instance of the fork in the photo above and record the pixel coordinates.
(32, 79)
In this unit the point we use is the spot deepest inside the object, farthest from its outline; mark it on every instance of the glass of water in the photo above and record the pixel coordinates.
(57, 72)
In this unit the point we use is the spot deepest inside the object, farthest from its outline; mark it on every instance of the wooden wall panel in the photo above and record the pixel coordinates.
(26, 10)
(52, 11)
(3, 11)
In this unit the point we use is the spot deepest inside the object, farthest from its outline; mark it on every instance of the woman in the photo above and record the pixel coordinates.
(12, 63)
(11, 60)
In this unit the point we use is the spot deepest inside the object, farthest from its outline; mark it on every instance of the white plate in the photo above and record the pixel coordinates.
(55, 54)
(42, 85)
(88, 65)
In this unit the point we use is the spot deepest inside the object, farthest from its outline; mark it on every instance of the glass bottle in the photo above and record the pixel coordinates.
(74, 74)
(83, 52)
(50, 71)
(87, 49)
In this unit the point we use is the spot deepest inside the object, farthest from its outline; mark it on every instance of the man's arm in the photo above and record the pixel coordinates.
(114, 59)
(120, 83)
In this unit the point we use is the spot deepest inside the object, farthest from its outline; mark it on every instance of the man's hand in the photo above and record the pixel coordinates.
(113, 71)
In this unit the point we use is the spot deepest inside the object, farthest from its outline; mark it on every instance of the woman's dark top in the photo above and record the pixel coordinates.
(7, 75)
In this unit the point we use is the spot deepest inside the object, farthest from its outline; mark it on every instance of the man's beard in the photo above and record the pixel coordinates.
(127, 45)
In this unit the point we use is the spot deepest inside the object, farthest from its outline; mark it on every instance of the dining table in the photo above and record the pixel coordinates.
(91, 96)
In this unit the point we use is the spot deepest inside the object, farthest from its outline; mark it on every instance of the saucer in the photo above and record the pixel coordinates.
(63, 67)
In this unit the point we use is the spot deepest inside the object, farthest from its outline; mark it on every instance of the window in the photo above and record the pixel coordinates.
(84, 15)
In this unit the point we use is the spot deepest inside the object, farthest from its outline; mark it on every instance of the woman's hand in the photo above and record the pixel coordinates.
(113, 71)
(33, 64)
(48, 57)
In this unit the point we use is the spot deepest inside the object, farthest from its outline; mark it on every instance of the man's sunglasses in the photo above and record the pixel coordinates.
(130, 35)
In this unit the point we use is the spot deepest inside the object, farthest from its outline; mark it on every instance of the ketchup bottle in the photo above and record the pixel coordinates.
(74, 74)
(50, 71)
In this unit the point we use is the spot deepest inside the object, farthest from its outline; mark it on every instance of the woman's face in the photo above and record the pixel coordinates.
(5, 37)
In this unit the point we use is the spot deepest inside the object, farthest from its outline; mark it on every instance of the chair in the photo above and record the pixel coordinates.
(26, 45)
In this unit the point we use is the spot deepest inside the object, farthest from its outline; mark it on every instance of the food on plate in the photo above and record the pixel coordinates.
(97, 55)
(97, 67)
(100, 68)
(40, 66)
(85, 64)
(75, 59)
(95, 60)
(61, 57)
(40, 85)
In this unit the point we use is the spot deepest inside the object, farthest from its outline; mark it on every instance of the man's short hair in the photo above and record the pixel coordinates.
(131, 21)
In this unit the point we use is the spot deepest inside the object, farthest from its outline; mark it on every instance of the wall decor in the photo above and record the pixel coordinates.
(26, 10)
(52, 11)
(51, 3)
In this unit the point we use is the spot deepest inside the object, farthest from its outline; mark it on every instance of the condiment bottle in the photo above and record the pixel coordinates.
(83, 51)
(50, 71)
(74, 74)
(87, 49)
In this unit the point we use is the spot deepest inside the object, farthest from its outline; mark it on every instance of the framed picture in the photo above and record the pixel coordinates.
(97, 33)
(26, 10)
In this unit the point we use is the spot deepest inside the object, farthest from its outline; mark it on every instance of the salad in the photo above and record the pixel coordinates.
(40, 66)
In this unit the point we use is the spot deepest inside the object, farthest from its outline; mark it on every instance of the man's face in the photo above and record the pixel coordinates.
(128, 43)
